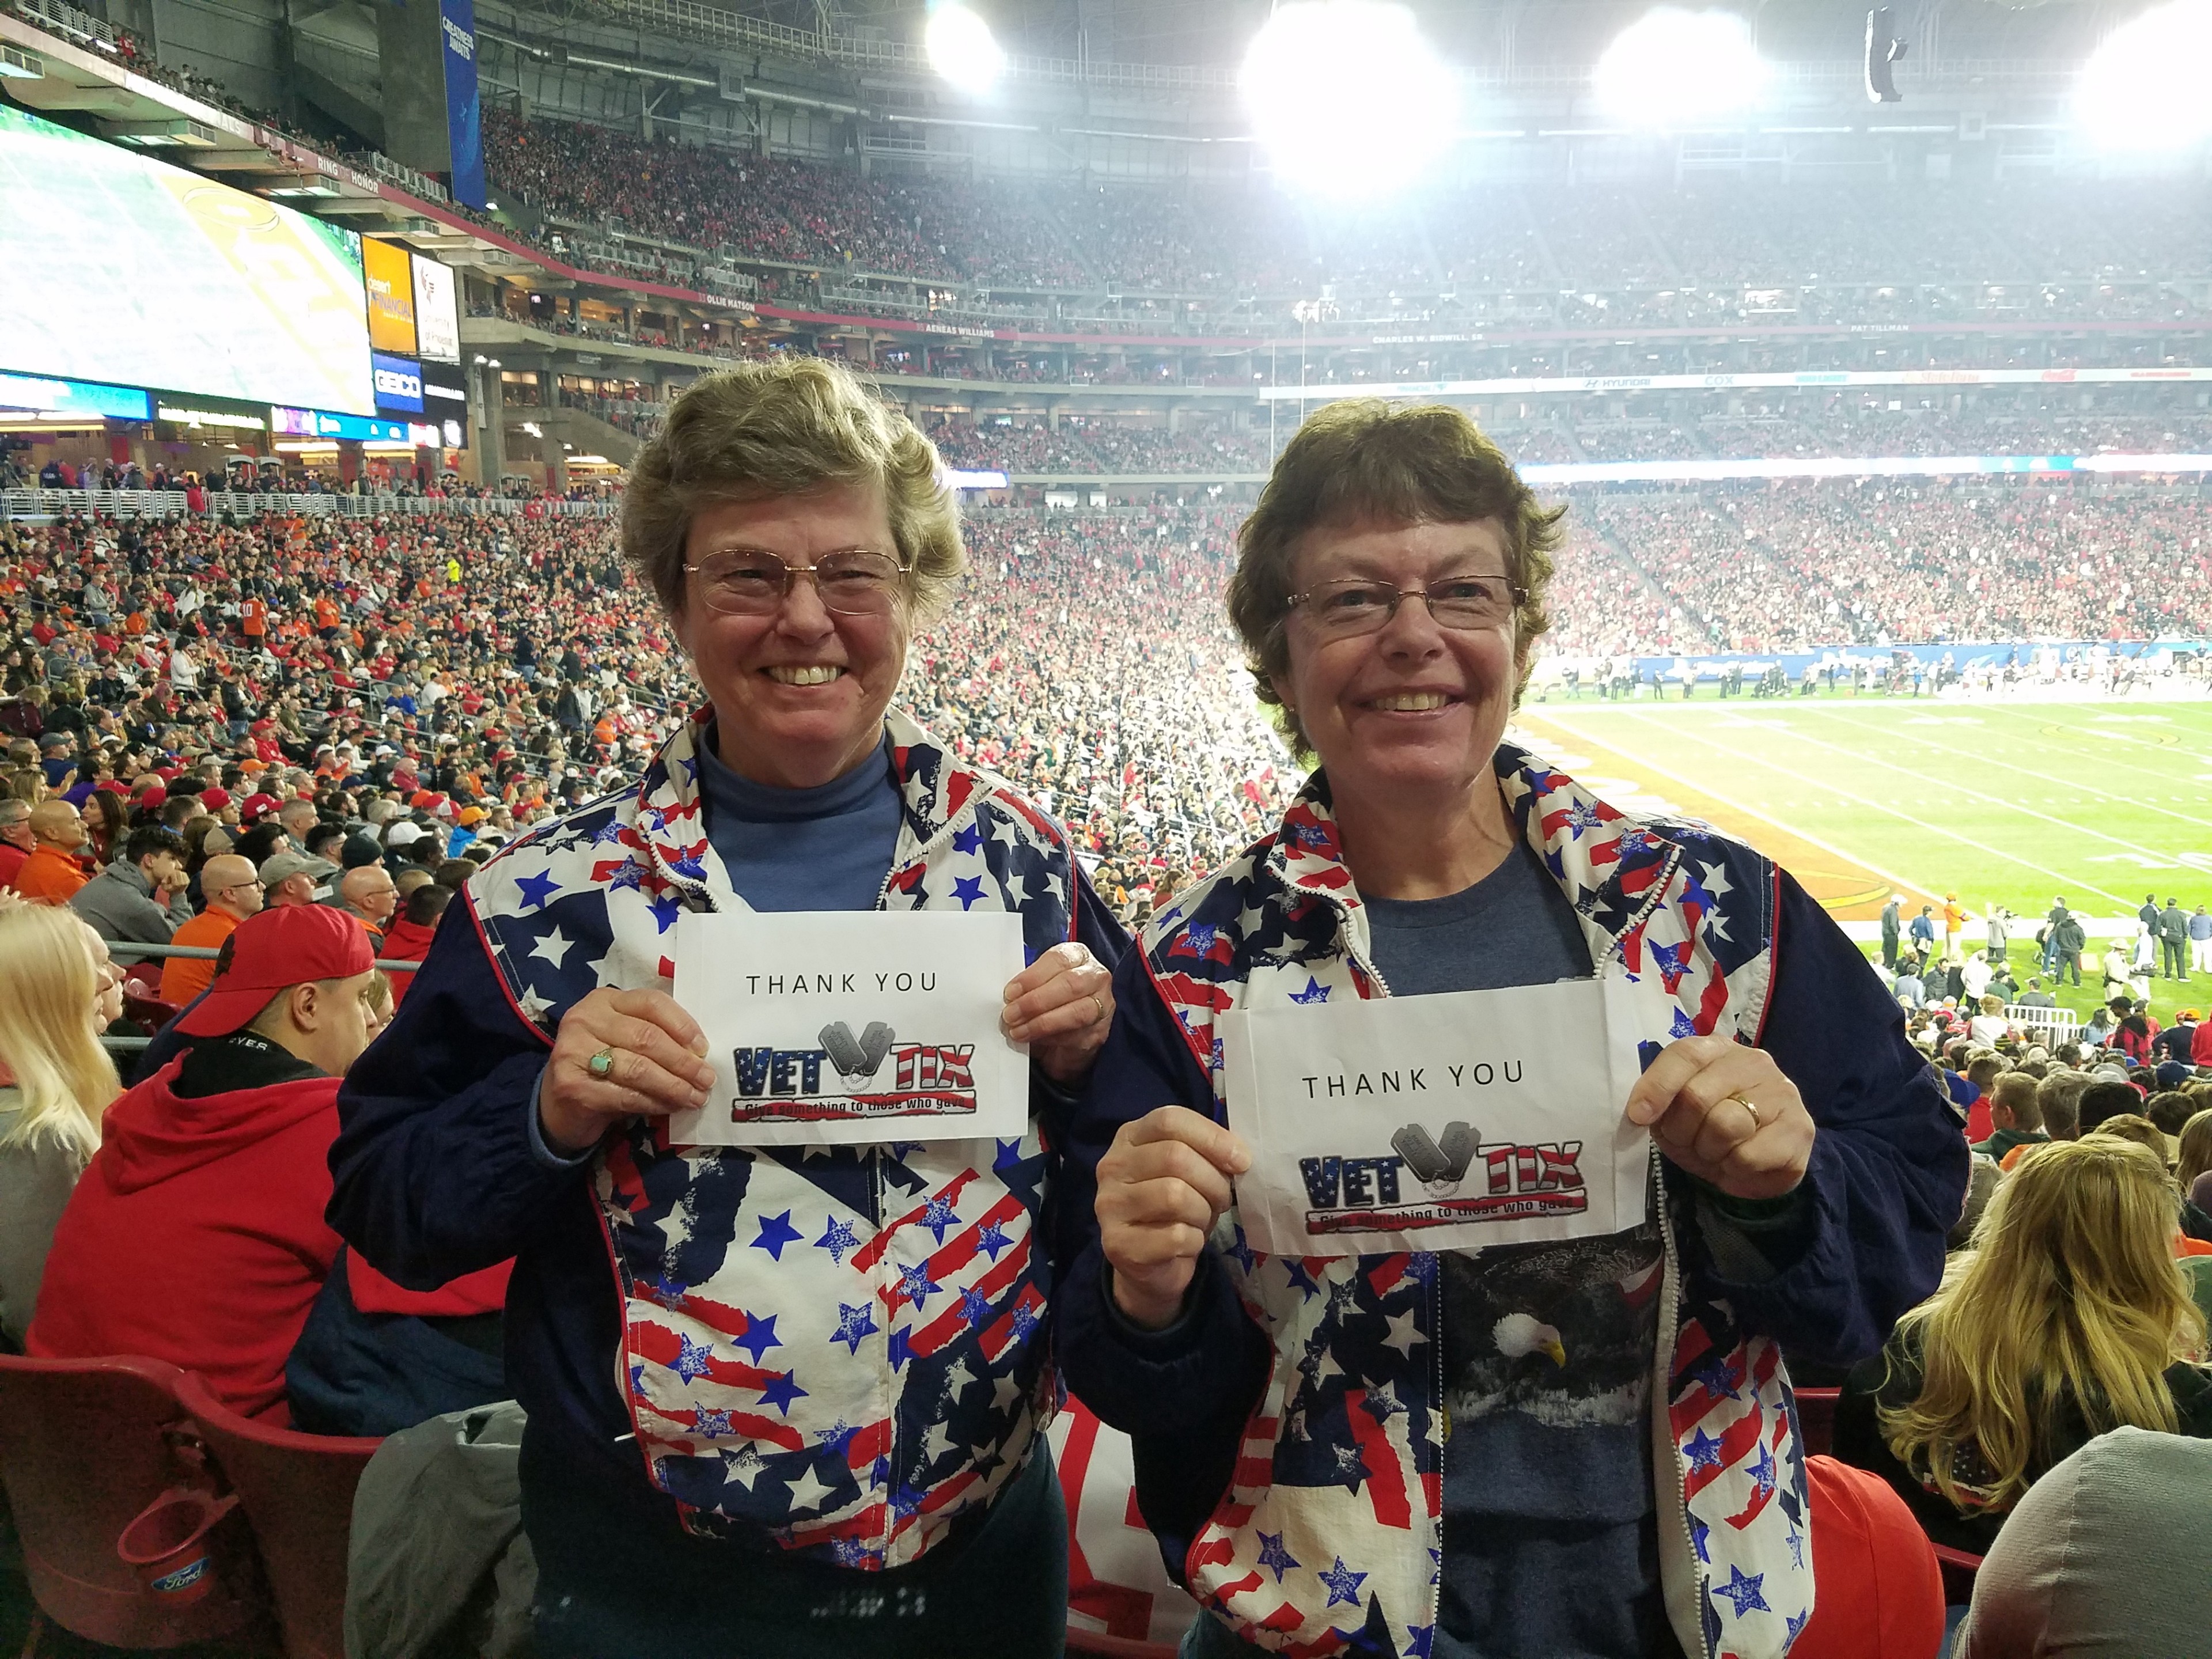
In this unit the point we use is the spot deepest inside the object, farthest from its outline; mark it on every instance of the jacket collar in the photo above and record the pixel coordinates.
(1612, 868)
(669, 824)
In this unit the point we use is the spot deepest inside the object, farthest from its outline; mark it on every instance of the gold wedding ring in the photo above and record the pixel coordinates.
(1100, 1007)
(1757, 1122)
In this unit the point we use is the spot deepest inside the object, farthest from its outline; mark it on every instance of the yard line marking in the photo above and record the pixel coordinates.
(2063, 879)
(1954, 788)
(2043, 776)
(2092, 730)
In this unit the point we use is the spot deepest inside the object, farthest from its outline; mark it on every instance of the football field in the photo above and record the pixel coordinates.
(1999, 801)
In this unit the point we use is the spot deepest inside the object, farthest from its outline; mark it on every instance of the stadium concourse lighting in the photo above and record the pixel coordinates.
(961, 50)
(1672, 69)
(1348, 98)
(2148, 87)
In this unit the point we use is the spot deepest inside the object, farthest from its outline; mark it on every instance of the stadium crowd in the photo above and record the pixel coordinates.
(334, 722)
(1802, 566)
(1596, 254)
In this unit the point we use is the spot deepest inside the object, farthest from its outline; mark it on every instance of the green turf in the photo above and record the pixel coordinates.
(1999, 802)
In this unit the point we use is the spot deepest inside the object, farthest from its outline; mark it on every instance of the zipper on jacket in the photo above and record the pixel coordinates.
(1662, 1404)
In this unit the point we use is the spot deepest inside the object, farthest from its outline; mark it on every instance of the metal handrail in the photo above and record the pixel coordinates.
(208, 953)
(147, 503)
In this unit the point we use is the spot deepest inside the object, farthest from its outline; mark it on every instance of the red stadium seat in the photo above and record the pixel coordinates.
(1958, 1571)
(1816, 1419)
(86, 1446)
(297, 1490)
(1094, 1645)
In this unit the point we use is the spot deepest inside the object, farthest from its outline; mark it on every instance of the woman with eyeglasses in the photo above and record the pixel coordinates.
(1583, 1447)
(784, 1401)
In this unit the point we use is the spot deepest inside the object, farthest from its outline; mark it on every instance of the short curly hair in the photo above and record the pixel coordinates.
(1365, 458)
(761, 430)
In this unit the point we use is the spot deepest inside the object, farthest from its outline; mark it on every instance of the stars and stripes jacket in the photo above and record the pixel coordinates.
(1287, 1433)
(840, 1350)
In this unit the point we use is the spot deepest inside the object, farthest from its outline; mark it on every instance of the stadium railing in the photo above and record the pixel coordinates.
(2055, 1024)
(130, 951)
(160, 503)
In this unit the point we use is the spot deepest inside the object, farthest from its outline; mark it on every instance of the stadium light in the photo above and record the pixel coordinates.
(2148, 87)
(1672, 68)
(961, 49)
(1347, 97)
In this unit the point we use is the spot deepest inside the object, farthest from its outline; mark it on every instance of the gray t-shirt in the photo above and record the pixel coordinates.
(1551, 1543)
(2104, 1559)
(35, 1184)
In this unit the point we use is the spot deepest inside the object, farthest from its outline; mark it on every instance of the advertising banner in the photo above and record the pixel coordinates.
(390, 296)
(399, 382)
(437, 312)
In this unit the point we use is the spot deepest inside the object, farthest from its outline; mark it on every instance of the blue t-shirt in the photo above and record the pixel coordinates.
(1550, 1530)
(825, 848)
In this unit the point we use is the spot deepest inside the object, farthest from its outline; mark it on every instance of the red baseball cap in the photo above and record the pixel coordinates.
(254, 805)
(215, 797)
(272, 950)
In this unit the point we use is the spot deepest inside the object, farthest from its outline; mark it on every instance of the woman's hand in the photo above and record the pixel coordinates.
(1162, 1186)
(654, 1065)
(1726, 1113)
(1060, 1005)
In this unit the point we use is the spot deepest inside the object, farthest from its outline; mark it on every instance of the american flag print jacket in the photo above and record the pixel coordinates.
(1328, 1537)
(843, 1349)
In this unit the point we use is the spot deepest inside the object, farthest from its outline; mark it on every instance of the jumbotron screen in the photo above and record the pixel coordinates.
(122, 269)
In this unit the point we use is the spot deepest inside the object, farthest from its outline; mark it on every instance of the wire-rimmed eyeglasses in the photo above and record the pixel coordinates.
(856, 581)
(1364, 605)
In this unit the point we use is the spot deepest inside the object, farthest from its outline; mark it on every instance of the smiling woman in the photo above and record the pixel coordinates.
(1390, 589)
(739, 1440)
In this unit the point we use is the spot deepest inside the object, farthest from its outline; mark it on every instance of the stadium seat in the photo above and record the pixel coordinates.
(297, 1490)
(1958, 1571)
(1094, 1645)
(86, 1446)
(1816, 1419)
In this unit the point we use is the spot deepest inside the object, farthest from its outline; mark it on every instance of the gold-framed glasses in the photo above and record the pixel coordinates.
(856, 581)
(1364, 605)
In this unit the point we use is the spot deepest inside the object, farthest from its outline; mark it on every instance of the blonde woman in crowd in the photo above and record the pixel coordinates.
(2069, 1318)
(55, 1081)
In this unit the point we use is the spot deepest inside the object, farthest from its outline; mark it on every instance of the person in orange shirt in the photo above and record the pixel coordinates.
(232, 893)
(255, 621)
(327, 617)
(53, 872)
(1954, 917)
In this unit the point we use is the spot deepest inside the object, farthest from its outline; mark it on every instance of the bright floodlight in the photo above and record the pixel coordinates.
(1671, 68)
(961, 50)
(2150, 86)
(1348, 98)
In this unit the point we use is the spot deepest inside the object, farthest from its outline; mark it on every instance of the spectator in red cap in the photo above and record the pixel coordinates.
(254, 806)
(196, 1234)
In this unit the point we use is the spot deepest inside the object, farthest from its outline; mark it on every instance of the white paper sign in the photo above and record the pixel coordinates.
(1440, 1123)
(849, 1027)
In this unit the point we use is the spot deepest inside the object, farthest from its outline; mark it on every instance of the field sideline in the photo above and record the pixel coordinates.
(1999, 802)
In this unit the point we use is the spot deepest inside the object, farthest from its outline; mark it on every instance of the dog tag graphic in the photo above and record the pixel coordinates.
(1460, 1145)
(1423, 1156)
(875, 1043)
(856, 1058)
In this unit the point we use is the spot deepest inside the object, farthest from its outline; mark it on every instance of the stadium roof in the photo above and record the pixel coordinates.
(1479, 33)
